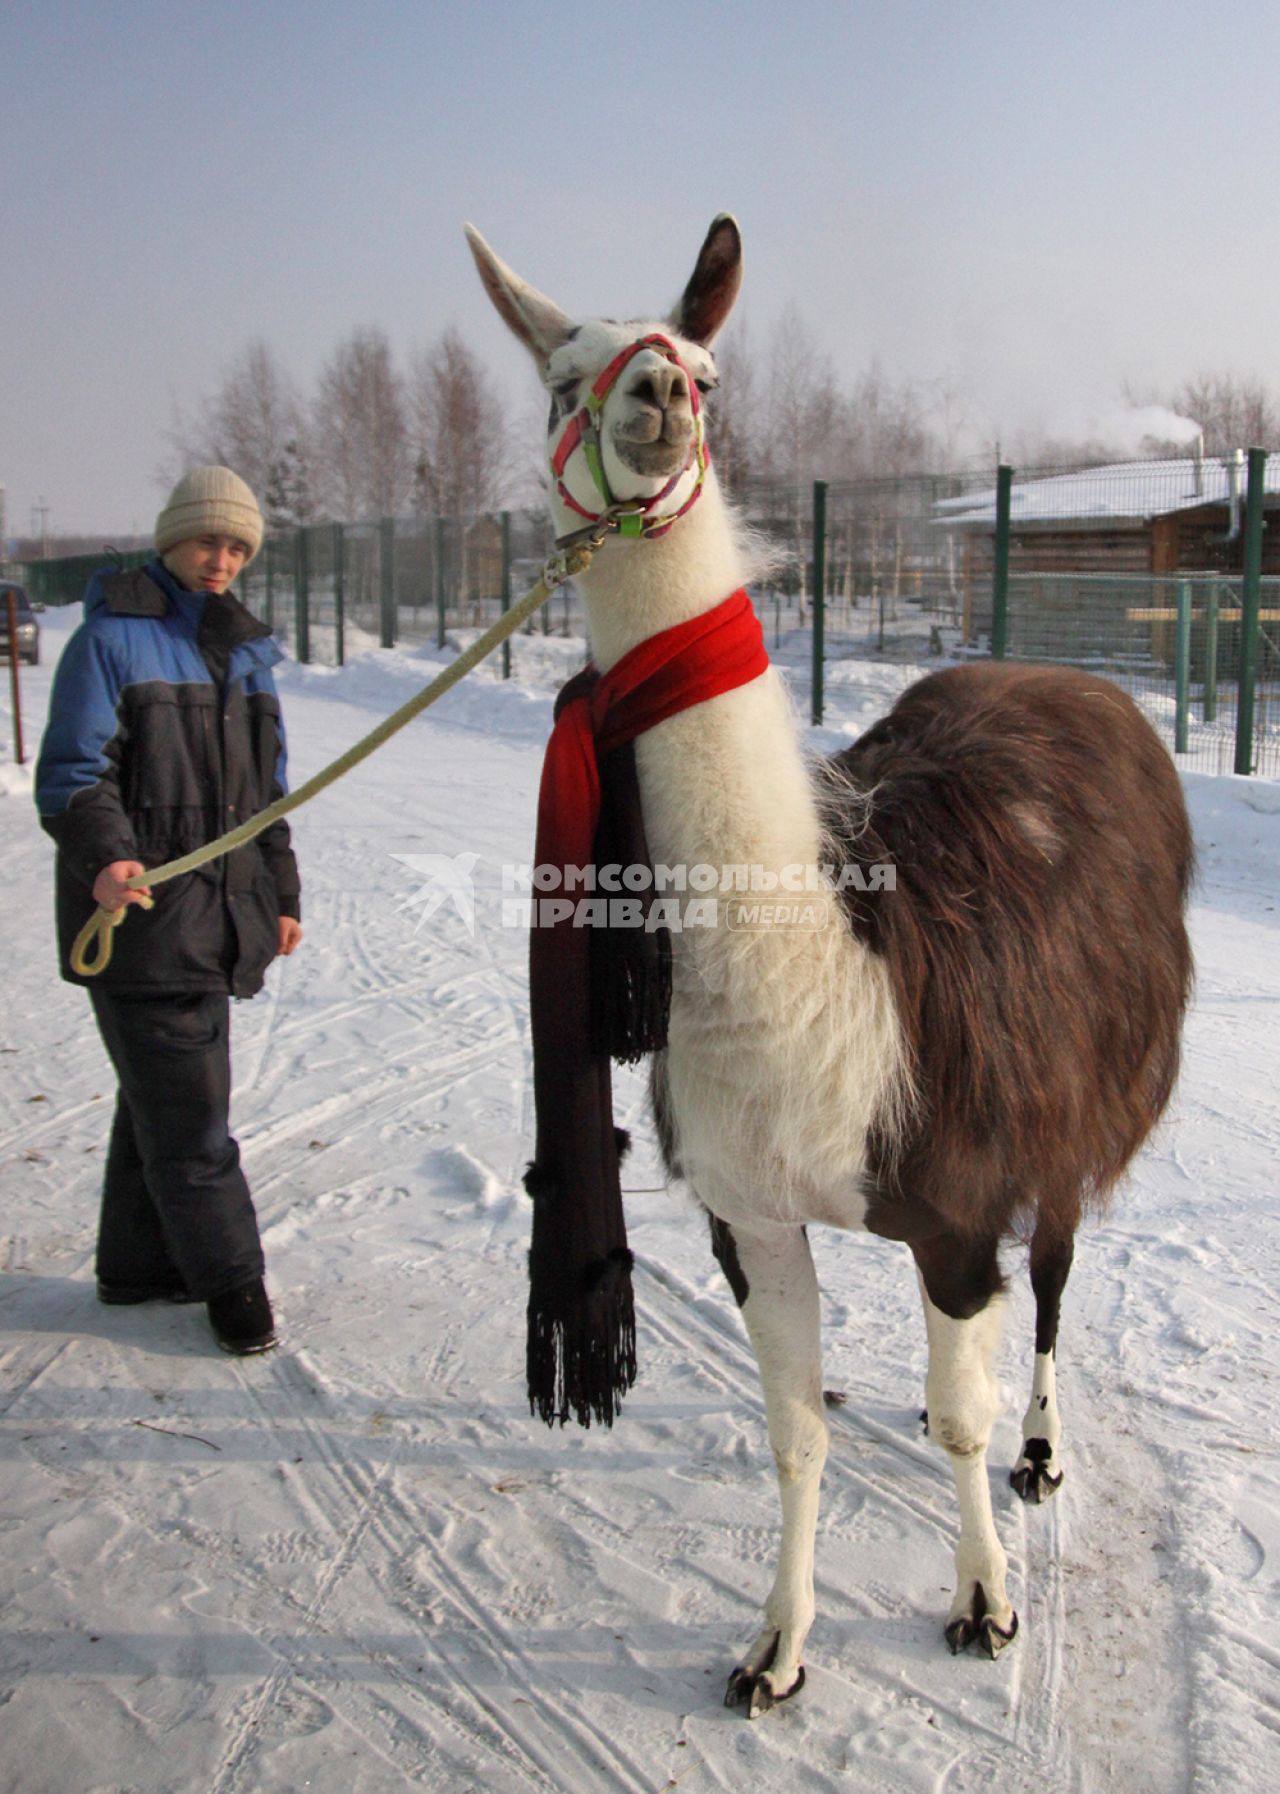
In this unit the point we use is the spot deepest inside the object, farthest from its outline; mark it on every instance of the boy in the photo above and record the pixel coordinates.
(165, 731)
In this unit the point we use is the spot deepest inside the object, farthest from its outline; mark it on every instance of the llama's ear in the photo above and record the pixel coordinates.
(538, 322)
(713, 287)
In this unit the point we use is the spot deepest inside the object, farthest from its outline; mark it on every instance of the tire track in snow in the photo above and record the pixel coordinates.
(542, 1745)
(28, 1133)
(386, 1527)
(347, 1498)
(381, 1098)
(240, 1749)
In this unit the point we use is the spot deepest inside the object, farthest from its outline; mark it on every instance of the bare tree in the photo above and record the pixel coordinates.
(734, 410)
(254, 423)
(360, 435)
(459, 445)
(886, 433)
(290, 493)
(457, 428)
(801, 404)
(1233, 412)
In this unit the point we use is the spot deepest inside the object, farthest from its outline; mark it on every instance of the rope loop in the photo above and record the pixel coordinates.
(98, 935)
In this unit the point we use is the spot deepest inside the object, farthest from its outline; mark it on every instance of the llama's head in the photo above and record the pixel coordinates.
(625, 426)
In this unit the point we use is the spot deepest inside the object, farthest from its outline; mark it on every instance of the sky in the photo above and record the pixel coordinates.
(1029, 205)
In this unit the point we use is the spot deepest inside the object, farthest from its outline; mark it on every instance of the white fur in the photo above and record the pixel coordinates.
(963, 1398)
(784, 1042)
(782, 1316)
(1042, 1420)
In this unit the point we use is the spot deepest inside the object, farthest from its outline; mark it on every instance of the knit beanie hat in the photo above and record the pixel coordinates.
(210, 501)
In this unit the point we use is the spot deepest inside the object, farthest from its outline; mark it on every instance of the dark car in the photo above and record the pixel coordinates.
(28, 628)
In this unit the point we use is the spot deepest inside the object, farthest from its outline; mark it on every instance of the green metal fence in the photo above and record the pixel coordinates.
(1173, 642)
(63, 581)
(338, 588)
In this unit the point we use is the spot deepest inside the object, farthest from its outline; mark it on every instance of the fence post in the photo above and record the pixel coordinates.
(819, 591)
(1250, 603)
(301, 597)
(11, 629)
(339, 594)
(1182, 669)
(387, 580)
(269, 569)
(1211, 653)
(504, 593)
(441, 592)
(1000, 572)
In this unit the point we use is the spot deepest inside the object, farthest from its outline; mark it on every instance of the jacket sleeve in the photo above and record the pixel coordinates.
(77, 787)
(275, 843)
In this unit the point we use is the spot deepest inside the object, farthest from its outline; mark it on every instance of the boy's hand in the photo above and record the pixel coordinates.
(288, 934)
(109, 890)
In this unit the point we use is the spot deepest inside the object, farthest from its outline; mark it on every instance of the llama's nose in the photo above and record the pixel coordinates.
(659, 384)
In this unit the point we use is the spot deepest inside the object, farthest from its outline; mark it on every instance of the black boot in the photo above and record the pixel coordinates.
(242, 1321)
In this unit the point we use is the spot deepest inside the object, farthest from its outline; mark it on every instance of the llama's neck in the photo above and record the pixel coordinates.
(636, 589)
(725, 782)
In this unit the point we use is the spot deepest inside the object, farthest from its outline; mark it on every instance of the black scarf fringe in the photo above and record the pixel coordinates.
(635, 988)
(581, 1365)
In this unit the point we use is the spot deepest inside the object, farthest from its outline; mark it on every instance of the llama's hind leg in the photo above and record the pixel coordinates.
(1037, 1474)
(963, 1307)
(774, 1282)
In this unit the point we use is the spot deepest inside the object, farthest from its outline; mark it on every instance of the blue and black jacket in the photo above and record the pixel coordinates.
(165, 731)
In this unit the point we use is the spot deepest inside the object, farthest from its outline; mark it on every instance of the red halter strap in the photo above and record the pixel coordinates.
(582, 431)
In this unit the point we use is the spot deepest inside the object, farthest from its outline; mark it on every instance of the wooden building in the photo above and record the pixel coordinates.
(1147, 519)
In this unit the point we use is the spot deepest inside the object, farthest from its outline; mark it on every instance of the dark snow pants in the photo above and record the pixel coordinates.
(176, 1210)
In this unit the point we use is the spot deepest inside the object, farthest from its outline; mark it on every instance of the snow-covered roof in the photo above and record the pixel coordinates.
(1125, 490)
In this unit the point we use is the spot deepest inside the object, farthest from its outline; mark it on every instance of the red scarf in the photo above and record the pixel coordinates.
(596, 995)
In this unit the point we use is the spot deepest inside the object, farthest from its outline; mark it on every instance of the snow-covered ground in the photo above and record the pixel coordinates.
(358, 1565)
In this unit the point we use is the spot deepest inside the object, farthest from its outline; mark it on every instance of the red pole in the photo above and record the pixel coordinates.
(13, 677)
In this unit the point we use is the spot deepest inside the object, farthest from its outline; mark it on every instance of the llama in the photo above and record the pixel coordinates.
(971, 1055)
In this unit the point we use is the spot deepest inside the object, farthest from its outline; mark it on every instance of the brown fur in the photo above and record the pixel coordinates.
(1035, 941)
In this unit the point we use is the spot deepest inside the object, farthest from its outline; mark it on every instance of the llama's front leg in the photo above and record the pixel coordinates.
(1037, 1474)
(963, 1310)
(773, 1279)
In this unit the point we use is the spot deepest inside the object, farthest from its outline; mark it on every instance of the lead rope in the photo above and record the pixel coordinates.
(91, 951)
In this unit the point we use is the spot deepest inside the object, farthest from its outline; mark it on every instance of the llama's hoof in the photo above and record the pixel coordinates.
(963, 1632)
(1032, 1477)
(980, 1626)
(754, 1691)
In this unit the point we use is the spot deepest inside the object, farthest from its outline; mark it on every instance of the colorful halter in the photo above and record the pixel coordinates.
(641, 516)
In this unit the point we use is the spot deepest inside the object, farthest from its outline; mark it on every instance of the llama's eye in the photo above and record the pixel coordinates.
(566, 391)
(705, 386)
